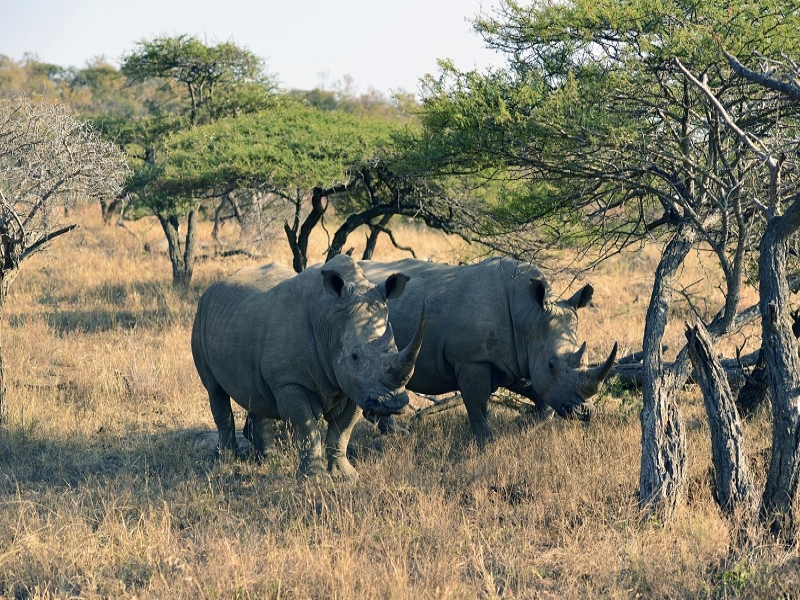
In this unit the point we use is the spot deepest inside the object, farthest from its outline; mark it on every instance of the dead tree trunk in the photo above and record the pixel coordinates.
(663, 468)
(734, 484)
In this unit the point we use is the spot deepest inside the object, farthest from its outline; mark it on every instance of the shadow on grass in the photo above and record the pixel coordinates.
(96, 321)
(161, 305)
(34, 463)
(150, 463)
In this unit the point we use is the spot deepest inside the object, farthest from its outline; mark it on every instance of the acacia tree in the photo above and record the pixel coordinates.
(311, 159)
(48, 161)
(600, 137)
(211, 83)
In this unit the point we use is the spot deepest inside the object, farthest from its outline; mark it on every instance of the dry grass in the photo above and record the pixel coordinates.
(106, 489)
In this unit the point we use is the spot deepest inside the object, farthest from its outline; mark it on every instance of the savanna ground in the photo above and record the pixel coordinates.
(109, 489)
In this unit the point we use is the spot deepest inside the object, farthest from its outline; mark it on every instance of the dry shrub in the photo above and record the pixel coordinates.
(107, 488)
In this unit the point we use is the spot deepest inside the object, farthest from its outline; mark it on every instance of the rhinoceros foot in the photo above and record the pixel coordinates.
(388, 426)
(340, 469)
(312, 468)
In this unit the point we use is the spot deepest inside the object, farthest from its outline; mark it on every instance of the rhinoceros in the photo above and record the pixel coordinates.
(493, 324)
(297, 347)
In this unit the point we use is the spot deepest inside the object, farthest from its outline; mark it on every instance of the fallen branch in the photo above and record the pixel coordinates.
(509, 400)
(439, 407)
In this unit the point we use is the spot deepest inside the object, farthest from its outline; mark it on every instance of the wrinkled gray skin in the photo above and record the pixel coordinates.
(493, 325)
(297, 347)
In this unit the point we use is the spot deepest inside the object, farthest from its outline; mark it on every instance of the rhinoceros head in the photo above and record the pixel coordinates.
(557, 364)
(364, 356)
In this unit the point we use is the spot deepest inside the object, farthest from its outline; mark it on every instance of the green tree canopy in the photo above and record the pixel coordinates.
(594, 116)
(219, 80)
(287, 148)
(210, 82)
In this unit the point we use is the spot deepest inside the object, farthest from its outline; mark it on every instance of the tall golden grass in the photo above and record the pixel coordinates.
(108, 487)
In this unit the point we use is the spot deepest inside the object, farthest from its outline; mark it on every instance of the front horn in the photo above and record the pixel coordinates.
(594, 377)
(401, 366)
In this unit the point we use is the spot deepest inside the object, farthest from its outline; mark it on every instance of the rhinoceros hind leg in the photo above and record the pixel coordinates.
(294, 407)
(256, 432)
(220, 403)
(340, 426)
(475, 384)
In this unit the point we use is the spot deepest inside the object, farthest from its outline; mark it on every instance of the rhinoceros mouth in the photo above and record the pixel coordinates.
(387, 404)
(580, 412)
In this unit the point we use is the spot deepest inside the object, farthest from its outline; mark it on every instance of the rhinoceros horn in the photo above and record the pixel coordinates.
(385, 341)
(594, 377)
(401, 366)
(579, 358)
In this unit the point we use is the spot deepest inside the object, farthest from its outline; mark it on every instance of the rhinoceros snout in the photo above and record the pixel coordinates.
(574, 406)
(580, 412)
(385, 404)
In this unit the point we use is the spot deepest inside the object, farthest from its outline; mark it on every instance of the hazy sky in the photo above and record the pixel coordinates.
(386, 45)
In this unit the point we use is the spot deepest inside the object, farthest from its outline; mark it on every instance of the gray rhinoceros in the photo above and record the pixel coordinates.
(490, 325)
(297, 347)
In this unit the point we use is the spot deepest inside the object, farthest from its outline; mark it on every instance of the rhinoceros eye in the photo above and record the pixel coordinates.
(552, 364)
(355, 357)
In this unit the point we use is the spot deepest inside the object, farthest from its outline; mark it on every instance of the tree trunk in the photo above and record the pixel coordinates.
(109, 209)
(353, 222)
(755, 390)
(298, 235)
(3, 400)
(783, 371)
(734, 484)
(5, 281)
(663, 467)
(182, 261)
(374, 233)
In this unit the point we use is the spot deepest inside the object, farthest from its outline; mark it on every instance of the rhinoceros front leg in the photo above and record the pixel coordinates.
(475, 384)
(340, 426)
(220, 403)
(294, 407)
(524, 387)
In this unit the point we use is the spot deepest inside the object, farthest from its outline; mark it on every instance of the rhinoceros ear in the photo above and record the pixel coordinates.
(334, 283)
(582, 297)
(538, 291)
(394, 285)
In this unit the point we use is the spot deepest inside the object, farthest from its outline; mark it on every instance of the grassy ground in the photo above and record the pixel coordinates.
(108, 487)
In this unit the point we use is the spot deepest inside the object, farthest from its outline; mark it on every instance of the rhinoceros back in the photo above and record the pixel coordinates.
(468, 317)
(252, 333)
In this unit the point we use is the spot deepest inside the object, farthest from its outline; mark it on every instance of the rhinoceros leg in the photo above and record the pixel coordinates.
(256, 431)
(294, 407)
(340, 426)
(223, 417)
(475, 384)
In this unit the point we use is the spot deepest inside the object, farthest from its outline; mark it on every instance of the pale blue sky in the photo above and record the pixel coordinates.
(383, 45)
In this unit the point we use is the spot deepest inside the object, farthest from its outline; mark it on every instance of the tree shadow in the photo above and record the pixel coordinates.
(160, 299)
(98, 321)
(31, 462)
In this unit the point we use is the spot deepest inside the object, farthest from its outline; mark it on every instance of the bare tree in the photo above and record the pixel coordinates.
(49, 160)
